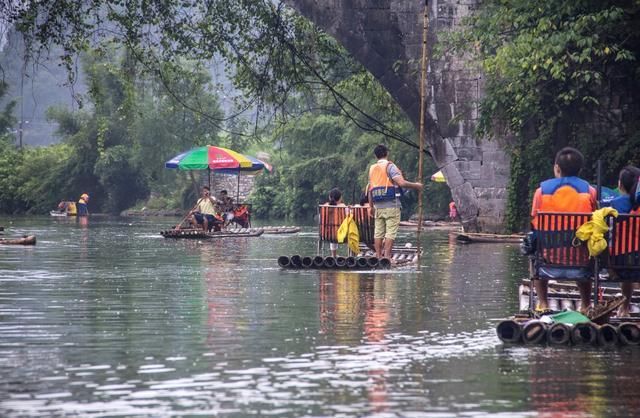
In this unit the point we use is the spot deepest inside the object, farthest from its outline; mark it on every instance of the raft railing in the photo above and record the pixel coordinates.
(331, 217)
(622, 257)
(558, 255)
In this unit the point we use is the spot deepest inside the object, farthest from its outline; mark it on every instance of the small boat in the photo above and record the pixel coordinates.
(430, 224)
(473, 237)
(65, 208)
(26, 240)
(281, 229)
(200, 234)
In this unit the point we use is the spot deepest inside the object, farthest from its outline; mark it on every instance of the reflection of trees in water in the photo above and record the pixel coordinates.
(570, 381)
(355, 306)
(564, 383)
(475, 281)
(223, 289)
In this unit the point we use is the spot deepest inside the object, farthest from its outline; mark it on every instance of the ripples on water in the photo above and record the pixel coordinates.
(112, 319)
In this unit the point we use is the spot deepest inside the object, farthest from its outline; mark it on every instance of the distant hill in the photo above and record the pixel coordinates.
(36, 87)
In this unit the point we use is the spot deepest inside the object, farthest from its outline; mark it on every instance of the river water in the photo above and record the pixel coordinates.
(109, 318)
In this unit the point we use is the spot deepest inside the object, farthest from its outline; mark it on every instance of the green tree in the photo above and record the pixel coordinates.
(557, 73)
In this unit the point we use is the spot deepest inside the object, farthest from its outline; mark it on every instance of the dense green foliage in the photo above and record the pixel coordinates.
(281, 56)
(558, 73)
(328, 112)
(323, 150)
(116, 149)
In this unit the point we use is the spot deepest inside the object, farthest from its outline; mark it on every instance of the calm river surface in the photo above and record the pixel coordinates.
(112, 319)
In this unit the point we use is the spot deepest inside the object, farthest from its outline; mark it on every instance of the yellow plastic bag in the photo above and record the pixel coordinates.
(348, 231)
(594, 230)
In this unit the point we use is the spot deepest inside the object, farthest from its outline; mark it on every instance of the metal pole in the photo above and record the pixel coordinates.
(238, 191)
(196, 188)
(423, 76)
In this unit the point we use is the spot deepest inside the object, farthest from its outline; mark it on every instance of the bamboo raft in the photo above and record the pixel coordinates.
(602, 329)
(26, 240)
(200, 234)
(472, 237)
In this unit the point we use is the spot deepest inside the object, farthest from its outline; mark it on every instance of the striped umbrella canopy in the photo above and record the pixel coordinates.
(217, 159)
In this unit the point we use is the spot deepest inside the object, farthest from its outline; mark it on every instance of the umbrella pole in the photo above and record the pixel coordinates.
(209, 174)
(238, 191)
(195, 185)
(423, 76)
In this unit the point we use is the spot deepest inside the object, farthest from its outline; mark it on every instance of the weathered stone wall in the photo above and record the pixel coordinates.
(386, 37)
(230, 184)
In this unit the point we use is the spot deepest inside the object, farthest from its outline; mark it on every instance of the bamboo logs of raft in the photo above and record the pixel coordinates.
(318, 262)
(512, 331)
(26, 240)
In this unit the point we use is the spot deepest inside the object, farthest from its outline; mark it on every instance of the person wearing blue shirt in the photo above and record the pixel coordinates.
(627, 202)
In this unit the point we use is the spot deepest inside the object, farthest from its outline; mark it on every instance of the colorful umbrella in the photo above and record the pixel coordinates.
(213, 158)
(438, 177)
(218, 160)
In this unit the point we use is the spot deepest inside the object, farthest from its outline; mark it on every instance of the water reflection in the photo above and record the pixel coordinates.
(110, 318)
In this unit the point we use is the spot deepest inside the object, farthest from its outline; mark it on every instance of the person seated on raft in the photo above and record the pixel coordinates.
(564, 193)
(225, 206)
(62, 206)
(627, 202)
(204, 212)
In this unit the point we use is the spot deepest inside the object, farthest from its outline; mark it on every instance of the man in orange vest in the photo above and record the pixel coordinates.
(564, 193)
(384, 190)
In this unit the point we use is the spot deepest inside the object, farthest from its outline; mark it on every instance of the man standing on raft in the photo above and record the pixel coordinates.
(384, 191)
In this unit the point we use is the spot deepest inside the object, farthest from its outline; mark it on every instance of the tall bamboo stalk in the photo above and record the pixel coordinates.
(423, 76)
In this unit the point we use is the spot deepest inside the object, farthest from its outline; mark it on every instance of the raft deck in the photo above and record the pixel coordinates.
(200, 234)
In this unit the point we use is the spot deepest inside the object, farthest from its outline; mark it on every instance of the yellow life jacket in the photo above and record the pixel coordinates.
(71, 208)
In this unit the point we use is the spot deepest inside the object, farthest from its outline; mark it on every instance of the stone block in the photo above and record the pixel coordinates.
(469, 153)
(453, 176)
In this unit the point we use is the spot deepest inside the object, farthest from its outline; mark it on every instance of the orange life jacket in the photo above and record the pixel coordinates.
(381, 187)
(564, 194)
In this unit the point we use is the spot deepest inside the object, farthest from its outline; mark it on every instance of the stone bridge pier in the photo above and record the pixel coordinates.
(386, 37)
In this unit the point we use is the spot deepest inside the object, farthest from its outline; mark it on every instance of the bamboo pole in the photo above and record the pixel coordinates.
(423, 76)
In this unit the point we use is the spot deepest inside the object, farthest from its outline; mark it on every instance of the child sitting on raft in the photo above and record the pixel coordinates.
(335, 199)
(627, 203)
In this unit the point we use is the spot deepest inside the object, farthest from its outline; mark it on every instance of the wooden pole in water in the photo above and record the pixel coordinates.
(423, 76)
